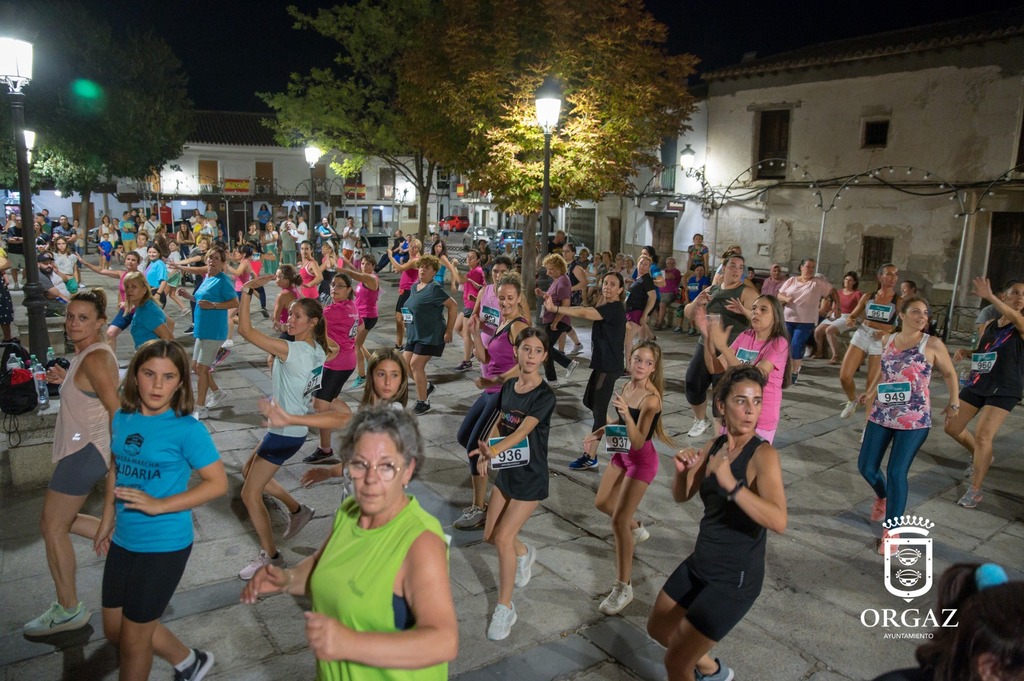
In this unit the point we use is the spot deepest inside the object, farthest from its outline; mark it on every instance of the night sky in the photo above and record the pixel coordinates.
(232, 49)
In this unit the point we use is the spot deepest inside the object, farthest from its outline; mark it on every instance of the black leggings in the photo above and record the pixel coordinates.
(698, 378)
(554, 354)
(598, 395)
(477, 424)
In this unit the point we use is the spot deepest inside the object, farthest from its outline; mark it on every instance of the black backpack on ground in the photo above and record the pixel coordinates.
(17, 394)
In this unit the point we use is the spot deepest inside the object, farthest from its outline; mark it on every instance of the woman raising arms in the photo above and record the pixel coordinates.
(410, 274)
(367, 295)
(739, 478)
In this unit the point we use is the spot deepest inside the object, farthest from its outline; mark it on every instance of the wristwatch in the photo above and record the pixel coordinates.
(740, 484)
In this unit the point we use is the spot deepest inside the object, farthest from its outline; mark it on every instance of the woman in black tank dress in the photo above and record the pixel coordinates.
(739, 479)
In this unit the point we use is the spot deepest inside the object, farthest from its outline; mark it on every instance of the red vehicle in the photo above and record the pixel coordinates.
(454, 223)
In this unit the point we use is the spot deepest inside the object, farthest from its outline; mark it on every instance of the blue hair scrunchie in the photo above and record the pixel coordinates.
(989, 575)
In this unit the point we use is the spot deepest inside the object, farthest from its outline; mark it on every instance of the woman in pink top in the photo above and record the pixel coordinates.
(765, 345)
(123, 319)
(310, 272)
(801, 295)
(81, 450)
(831, 328)
(410, 275)
(288, 280)
(471, 285)
(498, 365)
(342, 319)
(367, 295)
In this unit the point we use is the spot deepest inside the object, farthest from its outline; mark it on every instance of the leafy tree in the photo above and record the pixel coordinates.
(360, 105)
(102, 106)
(622, 94)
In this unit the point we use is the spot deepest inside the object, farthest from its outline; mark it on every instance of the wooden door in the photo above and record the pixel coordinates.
(1006, 253)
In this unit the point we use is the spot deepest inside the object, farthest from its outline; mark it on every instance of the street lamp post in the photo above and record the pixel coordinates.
(549, 105)
(313, 155)
(15, 73)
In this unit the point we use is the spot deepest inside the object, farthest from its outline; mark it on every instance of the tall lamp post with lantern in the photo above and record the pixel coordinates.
(15, 73)
(548, 106)
(313, 155)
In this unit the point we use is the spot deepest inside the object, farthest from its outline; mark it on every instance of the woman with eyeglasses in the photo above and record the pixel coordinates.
(379, 584)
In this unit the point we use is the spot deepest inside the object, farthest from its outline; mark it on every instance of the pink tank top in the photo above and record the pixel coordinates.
(501, 354)
(243, 279)
(409, 277)
(307, 291)
(342, 320)
(366, 300)
(284, 311)
(82, 418)
(904, 399)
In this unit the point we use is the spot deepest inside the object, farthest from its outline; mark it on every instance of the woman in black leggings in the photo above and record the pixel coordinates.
(606, 364)
(560, 292)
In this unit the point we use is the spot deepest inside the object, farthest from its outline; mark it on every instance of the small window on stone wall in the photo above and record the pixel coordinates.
(875, 251)
(876, 134)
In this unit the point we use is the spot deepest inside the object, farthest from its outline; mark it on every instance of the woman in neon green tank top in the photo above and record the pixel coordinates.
(382, 605)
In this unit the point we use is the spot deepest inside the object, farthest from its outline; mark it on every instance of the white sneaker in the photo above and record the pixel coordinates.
(848, 409)
(259, 561)
(571, 369)
(214, 398)
(57, 619)
(640, 534)
(228, 343)
(699, 426)
(524, 566)
(200, 413)
(296, 521)
(501, 622)
(619, 598)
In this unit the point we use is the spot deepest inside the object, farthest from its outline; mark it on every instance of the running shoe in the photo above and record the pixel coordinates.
(359, 382)
(296, 521)
(464, 366)
(723, 673)
(471, 518)
(318, 456)
(893, 548)
(619, 598)
(640, 534)
(222, 354)
(201, 413)
(971, 498)
(698, 427)
(228, 344)
(422, 407)
(878, 510)
(263, 311)
(215, 397)
(571, 369)
(501, 622)
(553, 384)
(57, 619)
(430, 389)
(969, 471)
(848, 409)
(199, 668)
(524, 566)
(189, 330)
(584, 463)
(259, 561)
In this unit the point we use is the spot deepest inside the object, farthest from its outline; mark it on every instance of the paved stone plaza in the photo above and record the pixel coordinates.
(821, 574)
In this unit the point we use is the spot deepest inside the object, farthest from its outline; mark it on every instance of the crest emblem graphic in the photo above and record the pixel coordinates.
(908, 556)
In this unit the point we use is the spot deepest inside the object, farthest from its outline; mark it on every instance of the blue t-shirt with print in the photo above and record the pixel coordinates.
(156, 272)
(157, 454)
(144, 322)
(213, 324)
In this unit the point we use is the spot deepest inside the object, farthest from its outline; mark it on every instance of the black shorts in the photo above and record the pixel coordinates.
(141, 584)
(1004, 402)
(369, 323)
(402, 297)
(76, 474)
(424, 349)
(279, 448)
(712, 609)
(332, 381)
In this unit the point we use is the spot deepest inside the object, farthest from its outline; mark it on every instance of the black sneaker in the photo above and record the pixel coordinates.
(319, 456)
(189, 329)
(430, 389)
(421, 407)
(199, 668)
(263, 311)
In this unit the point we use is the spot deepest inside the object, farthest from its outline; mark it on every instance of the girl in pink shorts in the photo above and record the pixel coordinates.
(634, 462)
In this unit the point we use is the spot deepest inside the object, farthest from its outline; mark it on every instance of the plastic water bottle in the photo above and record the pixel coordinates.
(50, 355)
(39, 374)
(964, 375)
(13, 362)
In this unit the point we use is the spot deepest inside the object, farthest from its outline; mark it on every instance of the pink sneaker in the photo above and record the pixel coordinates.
(878, 511)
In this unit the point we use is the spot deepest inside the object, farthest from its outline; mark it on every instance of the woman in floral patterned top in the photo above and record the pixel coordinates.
(902, 413)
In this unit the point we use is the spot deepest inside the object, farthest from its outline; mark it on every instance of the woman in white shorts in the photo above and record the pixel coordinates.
(878, 312)
(830, 329)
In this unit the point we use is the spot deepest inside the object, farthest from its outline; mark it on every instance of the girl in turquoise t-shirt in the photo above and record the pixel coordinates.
(147, 519)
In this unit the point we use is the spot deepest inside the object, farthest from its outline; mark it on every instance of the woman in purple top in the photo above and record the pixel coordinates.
(670, 291)
(560, 292)
(902, 412)
(498, 365)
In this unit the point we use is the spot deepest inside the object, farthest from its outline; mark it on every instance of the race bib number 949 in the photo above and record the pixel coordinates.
(894, 393)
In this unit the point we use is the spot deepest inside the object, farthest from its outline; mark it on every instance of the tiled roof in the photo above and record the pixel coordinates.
(229, 127)
(959, 32)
